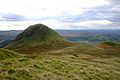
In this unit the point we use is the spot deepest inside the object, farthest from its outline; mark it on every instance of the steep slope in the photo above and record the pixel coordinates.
(39, 38)
(6, 54)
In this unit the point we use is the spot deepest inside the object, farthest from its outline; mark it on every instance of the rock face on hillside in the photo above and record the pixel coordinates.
(38, 38)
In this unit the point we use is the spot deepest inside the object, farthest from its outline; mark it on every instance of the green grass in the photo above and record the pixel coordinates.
(111, 44)
(6, 54)
(80, 62)
(67, 67)
(35, 35)
(38, 38)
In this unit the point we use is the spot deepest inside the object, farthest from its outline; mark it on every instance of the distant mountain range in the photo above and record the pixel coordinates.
(83, 36)
(91, 36)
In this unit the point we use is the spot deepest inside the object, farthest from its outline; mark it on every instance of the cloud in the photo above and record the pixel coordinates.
(95, 24)
(109, 14)
(60, 14)
(98, 13)
(16, 25)
(115, 1)
(11, 17)
(43, 8)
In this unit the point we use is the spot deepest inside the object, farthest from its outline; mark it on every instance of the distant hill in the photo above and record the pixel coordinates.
(9, 35)
(91, 36)
(5, 43)
(6, 37)
(114, 44)
(40, 38)
(6, 54)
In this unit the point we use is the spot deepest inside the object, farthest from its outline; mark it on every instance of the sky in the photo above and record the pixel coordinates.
(60, 14)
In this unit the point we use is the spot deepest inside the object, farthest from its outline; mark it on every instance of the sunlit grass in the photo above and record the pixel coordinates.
(62, 67)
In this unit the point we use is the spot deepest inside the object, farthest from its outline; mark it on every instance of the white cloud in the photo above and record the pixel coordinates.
(40, 8)
(1, 18)
(92, 23)
(15, 25)
(98, 22)
(54, 24)
(95, 24)
(21, 25)
(35, 10)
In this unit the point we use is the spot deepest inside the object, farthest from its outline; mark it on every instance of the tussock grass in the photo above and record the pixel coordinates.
(62, 67)
(5, 54)
(80, 62)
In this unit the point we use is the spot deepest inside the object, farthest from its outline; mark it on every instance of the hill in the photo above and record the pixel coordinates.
(5, 43)
(99, 50)
(6, 54)
(79, 62)
(39, 38)
(114, 44)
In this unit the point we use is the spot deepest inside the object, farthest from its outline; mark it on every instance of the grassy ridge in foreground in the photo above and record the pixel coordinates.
(80, 62)
(62, 67)
(6, 54)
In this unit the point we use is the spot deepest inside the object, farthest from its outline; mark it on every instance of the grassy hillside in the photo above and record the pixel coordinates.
(38, 38)
(80, 62)
(6, 54)
(35, 35)
(114, 44)
(100, 50)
